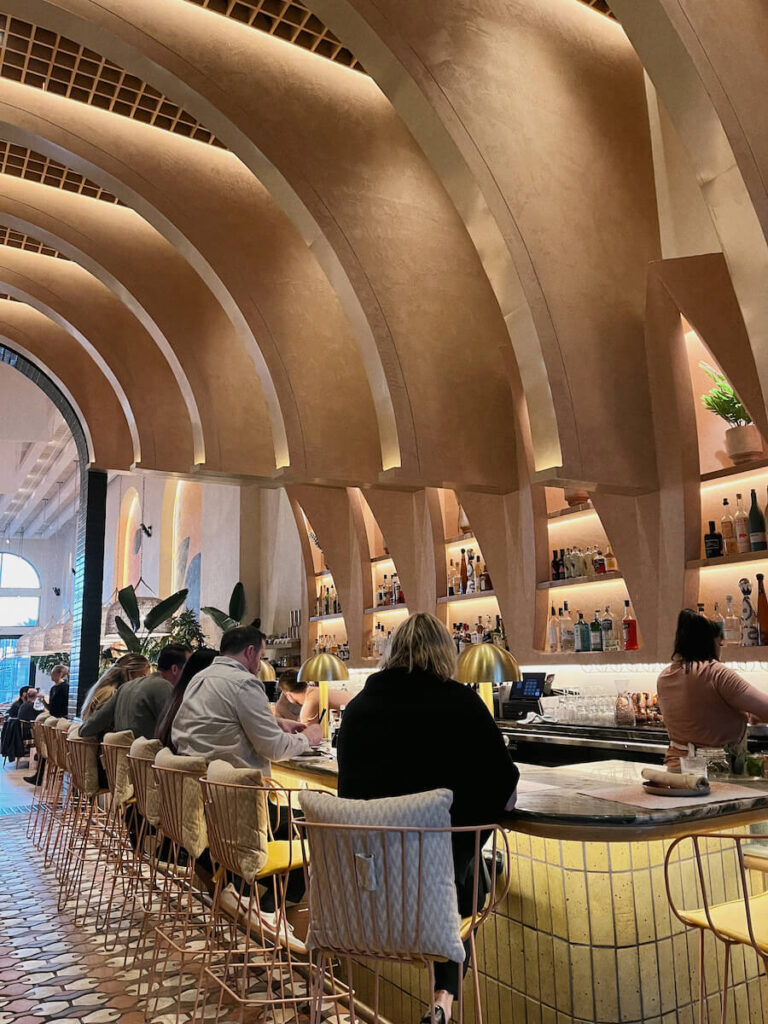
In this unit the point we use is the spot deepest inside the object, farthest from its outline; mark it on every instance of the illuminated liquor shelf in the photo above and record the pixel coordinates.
(466, 538)
(479, 596)
(736, 559)
(563, 513)
(580, 581)
(382, 609)
(743, 470)
(326, 618)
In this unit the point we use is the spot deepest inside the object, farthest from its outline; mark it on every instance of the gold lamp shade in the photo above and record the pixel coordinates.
(266, 673)
(487, 663)
(323, 668)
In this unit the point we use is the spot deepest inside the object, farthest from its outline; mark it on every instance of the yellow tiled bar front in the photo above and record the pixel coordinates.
(586, 935)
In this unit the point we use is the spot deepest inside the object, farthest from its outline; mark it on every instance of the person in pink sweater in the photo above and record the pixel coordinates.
(702, 701)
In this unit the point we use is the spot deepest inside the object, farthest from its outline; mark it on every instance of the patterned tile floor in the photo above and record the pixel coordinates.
(51, 970)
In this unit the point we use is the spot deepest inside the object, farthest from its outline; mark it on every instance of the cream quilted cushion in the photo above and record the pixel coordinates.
(147, 750)
(188, 794)
(123, 784)
(90, 749)
(380, 875)
(244, 815)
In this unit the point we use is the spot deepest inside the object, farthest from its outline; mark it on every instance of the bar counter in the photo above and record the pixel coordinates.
(585, 934)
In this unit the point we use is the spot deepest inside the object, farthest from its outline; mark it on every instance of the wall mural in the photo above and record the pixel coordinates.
(187, 541)
(130, 539)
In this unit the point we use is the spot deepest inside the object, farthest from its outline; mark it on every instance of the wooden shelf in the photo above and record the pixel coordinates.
(465, 538)
(382, 558)
(384, 608)
(326, 618)
(737, 559)
(325, 572)
(580, 581)
(283, 647)
(726, 471)
(743, 655)
(479, 596)
(563, 513)
(567, 658)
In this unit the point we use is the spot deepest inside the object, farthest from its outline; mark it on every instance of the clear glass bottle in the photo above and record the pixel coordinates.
(596, 632)
(727, 530)
(567, 631)
(741, 526)
(553, 633)
(581, 636)
(732, 628)
(589, 565)
(610, 627)
(718, 617)
(749, 629)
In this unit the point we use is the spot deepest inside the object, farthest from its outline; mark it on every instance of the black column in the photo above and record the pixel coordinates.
(89, 576)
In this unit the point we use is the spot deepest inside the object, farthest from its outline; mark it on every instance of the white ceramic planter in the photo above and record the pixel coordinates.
(743, 444)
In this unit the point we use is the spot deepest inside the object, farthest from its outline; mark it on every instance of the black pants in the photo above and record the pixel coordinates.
(447, 971)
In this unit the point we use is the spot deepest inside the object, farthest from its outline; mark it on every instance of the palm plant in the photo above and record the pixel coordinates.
(137, 636)
(722, 400)
(236, 613)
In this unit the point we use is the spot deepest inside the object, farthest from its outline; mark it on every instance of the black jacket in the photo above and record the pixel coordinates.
(58, 700)
(411, 732)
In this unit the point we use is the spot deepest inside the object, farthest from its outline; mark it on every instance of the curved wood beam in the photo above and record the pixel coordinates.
(157, 285)
(109, 434)
(95, 319)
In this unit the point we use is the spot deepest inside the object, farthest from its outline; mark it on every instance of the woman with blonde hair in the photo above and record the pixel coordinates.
(130, 666)
(413, 728)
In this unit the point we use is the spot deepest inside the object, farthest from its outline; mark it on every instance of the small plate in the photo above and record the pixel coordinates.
(650, 787)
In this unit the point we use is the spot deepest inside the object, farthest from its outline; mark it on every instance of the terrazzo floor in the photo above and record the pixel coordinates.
(51, 970)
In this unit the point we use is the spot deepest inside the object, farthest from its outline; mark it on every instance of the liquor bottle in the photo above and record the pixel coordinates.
(589, 567)
(629, 628)
(553, 633)
(749, 628)
(611, 564)
(567, 632)
(463, 572)
(497, 633)
(610, 627)
(485, 578)
(327, 600)
(555, 565)
(762, 611)
(596, 632)
(741, 526)
(598, 561)
(700, 607)
(395, 589)
(757, 541)
(732, 631)
(720, 620)
(582, 640)
(451, 579)
(727, 530)
(385, 590)
(713, 541)
(562, 564)
(471, 579)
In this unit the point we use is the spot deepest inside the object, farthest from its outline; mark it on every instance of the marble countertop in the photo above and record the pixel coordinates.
(561, 811)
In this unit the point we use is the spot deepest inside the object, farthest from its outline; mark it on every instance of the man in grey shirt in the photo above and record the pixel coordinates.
(138, 704)
(225, 713)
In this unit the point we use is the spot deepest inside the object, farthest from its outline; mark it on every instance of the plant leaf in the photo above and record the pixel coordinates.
(162, 612)
(237, 603)
(222, 620)
(128, 636)
(130, 605)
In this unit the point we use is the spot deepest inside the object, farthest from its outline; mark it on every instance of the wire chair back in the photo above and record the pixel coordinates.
(59, 746)
(239, 828)
(39, 737)
(83, 764)
(182, 818)
(145, 787)
(51, 731)
(114, 756)
(389, 909)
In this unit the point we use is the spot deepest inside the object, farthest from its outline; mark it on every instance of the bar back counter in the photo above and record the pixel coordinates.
(586, 934)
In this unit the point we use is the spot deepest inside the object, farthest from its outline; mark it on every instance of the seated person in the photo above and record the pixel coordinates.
(13, 710)
(284, 707)
(307, 697)
(28, 712)
(139, 702)
(197, 661)
(128, 667)
(58, 696)
(413, 728)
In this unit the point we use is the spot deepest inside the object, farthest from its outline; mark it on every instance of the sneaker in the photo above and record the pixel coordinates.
(32, 780)
(439, 1016)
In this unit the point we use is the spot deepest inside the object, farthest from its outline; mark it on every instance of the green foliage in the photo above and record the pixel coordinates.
(130, 605)
(186, 630)
(128, 636)
(47, 662)
(162, 612)
(236, 614)
(722, 400)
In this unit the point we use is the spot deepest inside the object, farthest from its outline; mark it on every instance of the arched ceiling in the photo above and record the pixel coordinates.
(320, 242)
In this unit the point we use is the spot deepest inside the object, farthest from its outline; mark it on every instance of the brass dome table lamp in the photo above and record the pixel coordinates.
(323, 669)
(484, 665)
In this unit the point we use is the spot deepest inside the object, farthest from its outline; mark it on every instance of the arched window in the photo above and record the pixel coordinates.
(19, 591)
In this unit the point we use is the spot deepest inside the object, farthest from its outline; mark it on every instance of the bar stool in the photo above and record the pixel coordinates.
(114, 755)
(393, 861)
(60, 795)
(149, 840)
(743, 921)
(40, 792)
(253, 968)
(87, 827)
(46, 793)
(182, 918)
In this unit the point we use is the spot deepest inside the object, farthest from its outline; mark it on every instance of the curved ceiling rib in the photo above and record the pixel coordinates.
(148, 393)
(138, 35)
(141, 269)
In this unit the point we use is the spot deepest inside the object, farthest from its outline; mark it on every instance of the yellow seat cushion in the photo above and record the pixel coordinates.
(730, 919)
(282, 855)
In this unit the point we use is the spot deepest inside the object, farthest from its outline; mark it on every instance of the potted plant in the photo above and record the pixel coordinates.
(234, 615)
(742, 439)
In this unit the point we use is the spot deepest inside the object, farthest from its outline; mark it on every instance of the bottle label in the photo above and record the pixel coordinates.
(712, 547)
(597, 640)
(757, 541)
